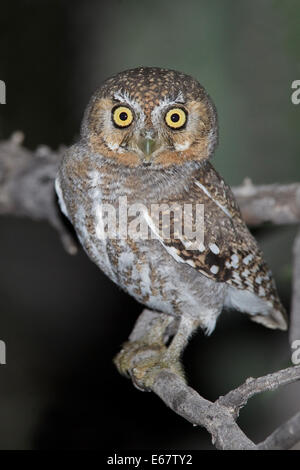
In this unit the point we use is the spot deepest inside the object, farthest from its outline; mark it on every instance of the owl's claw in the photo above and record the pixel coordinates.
(142, 362)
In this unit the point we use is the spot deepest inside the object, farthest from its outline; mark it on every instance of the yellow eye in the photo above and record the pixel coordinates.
(122, 116)
(176, 118)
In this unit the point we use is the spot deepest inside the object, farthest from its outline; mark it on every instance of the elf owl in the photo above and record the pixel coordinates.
(147, 137)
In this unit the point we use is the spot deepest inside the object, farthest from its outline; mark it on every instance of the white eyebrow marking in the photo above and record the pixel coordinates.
(180, 98)
(223, 208)
(122, 96)
(125, 98)
(166, 101)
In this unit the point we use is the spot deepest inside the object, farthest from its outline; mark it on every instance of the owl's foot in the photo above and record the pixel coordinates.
(142, 362)
(156, 343)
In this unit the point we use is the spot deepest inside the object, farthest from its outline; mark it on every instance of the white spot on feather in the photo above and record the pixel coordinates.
(214, 269)
(235, 261)
(214, 248)
(247, 259)
(245, 273)
(261, 291)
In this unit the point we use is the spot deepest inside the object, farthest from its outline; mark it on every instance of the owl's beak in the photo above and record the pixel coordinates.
(147, 143)
(147, 146)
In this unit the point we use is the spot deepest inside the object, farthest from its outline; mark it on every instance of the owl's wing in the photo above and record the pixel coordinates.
(228, 253)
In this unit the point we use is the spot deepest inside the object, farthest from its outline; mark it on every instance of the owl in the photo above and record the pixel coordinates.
(147, 138)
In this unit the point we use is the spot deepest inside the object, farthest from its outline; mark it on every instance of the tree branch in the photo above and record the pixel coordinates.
(284, 437)
(275, 203)
(219, 417)
(237, 398)
(26, 185)
(26, 189)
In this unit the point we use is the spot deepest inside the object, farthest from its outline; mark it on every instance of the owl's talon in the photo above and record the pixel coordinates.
(142, 362)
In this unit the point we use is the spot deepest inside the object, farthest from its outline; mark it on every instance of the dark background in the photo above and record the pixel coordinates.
(61, 319)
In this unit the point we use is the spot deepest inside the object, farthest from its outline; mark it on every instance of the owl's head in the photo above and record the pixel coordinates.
(151, 117)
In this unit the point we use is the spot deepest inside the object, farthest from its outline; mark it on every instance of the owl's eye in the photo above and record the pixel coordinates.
(176, 118)
(122, 116)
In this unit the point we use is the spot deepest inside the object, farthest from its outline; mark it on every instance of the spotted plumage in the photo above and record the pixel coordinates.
(147, 136)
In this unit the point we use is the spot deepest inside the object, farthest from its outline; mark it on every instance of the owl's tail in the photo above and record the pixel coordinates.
(259, 310)
(275, 319)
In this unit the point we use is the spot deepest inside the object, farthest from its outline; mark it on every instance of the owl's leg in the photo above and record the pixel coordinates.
(146, 353)
(179, 341)
(146, 344)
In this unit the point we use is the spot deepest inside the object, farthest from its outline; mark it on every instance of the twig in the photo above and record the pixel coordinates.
(284, 437)
(237, 398)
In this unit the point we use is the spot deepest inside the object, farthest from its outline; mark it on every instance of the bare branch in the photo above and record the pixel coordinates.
(275, 203)
(186, 402)
(26, 185)
(284, 437)
(219, 417)
(237, 398)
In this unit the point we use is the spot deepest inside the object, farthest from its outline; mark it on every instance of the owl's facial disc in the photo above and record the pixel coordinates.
(151, 117)
(148, 132)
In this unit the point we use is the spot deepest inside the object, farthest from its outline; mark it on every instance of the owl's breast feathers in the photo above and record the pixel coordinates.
(228, 254)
